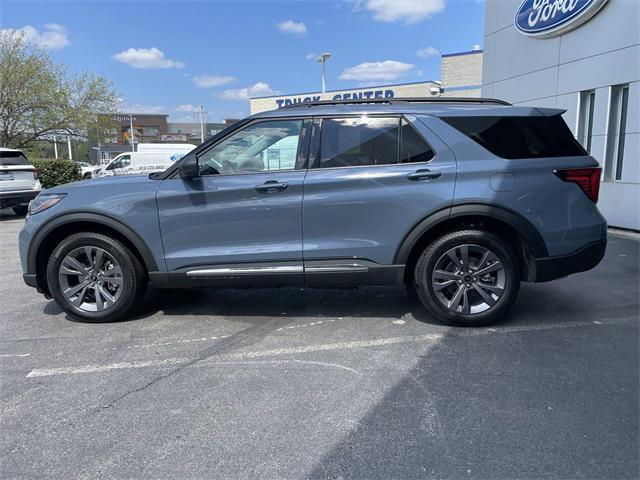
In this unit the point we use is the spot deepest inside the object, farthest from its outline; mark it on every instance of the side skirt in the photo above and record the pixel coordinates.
(332, 273)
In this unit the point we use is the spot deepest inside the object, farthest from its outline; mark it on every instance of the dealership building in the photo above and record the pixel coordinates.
(582, 56)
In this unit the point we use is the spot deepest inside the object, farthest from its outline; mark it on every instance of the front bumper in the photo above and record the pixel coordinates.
(17, 197)
(583, 259)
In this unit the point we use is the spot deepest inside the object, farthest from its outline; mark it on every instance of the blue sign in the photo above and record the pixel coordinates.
(548, 18)
(359, 95)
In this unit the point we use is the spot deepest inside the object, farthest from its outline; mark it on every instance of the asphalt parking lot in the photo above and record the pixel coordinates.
(287, 383)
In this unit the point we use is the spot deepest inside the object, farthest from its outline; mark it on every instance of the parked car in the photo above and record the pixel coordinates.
(86, 170)
(460, 199)
(149, 158)
(19, 182)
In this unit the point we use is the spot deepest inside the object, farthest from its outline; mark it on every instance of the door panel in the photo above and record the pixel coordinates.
(245, 207)
(366, 211)
(222, 219)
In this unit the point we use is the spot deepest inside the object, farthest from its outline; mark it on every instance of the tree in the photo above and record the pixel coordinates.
(39, 99)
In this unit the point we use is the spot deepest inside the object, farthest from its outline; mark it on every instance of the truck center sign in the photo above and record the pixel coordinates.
(418, 89)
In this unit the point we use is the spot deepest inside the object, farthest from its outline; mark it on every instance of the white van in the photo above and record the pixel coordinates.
(141, 162)
(164, 147)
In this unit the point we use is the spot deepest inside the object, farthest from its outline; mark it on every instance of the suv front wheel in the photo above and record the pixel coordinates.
(468, 278)
(95, 278)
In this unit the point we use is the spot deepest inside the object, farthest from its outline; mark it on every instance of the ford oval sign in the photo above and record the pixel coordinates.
(548, 18)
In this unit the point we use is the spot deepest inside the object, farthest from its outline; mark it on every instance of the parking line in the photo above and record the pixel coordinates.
(427, 338)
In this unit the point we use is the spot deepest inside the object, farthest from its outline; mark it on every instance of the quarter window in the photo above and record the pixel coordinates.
(413, 147)
(261, 147)
(358, 141)
(520, 137)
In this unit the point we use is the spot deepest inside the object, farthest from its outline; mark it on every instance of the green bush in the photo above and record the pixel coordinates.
(56, 172)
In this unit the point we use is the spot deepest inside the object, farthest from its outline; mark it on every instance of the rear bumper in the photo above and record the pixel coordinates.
(17, 197)
(583, 259)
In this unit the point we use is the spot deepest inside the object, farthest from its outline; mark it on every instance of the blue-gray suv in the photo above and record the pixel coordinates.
(460, 199)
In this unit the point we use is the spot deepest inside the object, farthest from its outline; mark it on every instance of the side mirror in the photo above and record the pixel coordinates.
(189, 168)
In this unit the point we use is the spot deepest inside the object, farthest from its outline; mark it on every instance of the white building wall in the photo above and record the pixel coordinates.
(603, 52)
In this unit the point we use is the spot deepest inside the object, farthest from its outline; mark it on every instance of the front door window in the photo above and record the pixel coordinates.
(262, 147)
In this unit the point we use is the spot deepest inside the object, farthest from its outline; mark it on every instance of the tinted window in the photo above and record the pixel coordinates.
(413, 148)
(520, 137)
(13, 158)
(348, 142)
(261, 147)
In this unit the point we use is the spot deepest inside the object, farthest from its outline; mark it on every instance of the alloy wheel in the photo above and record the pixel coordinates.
(468, 279)
(91, 279)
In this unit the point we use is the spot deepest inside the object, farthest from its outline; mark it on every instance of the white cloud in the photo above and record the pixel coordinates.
(476, 47)
(53, 36)
(407, 11)
(289, 26)
(370, 71)
(187, 107)
(209, 81)
(141, 108)
(260, 89)
(428, 52)
(311, 56)
(146, 58)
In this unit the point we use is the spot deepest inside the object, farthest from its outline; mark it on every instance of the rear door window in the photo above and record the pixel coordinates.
(13, 158)
(359, 141)
(520, 137)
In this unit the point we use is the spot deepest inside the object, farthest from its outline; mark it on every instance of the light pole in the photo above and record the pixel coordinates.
(132, 136)
(323, 60)
(201, 125)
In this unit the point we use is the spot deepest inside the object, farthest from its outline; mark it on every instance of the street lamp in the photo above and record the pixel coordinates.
(323, 60)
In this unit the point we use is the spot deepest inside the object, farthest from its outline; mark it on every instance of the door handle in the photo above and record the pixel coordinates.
(423, 174)
(272, 186)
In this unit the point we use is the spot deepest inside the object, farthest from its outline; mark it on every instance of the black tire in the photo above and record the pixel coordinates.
(20, 209)
(134, 278)
(426, 264)
(86, 176)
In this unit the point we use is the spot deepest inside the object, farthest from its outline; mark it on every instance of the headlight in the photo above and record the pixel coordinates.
(44, 201)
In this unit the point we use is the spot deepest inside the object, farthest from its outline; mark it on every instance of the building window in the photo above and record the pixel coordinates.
(151, 131)
(618, 106)
(585, 118)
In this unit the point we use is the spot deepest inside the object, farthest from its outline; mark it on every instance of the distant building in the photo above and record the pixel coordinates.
(148, 128)
(461, 74)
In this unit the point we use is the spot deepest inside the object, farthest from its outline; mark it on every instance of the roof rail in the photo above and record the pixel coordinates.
(397, 100)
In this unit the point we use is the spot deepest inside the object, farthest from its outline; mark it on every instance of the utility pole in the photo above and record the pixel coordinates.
(201, 126)
(132, 135)
(323, 60)
(69, 147)
(55, 146)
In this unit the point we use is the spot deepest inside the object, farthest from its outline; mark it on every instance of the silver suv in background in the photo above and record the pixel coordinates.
(19, 182)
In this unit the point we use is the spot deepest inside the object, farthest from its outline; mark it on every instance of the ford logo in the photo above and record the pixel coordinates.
(548, 18)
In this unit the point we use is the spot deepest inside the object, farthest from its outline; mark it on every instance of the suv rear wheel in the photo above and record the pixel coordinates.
(95, 278)
(468, 278)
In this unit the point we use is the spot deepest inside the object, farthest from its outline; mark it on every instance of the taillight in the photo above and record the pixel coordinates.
(588, 179)
(36, 174)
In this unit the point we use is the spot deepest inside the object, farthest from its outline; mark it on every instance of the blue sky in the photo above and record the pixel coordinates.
(168, 56)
